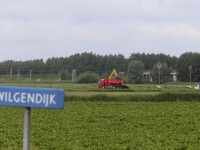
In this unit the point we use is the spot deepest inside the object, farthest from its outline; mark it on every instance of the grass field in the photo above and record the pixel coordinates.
(73, 87)
(108, 93)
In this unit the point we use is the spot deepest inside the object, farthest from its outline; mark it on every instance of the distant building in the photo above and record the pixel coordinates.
(146, 76)
(174, 76)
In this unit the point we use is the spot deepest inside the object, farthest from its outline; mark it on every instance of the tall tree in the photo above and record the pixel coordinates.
(161, 72)
(183, 63)
(135, 69)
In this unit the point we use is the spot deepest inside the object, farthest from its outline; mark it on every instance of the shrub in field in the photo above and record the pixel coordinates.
(88, 78)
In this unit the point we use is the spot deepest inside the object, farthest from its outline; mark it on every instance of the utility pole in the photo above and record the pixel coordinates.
(159, 66)
(10, 74)
(59, 72)
(18, 74)
(190, 68)
(30, 74)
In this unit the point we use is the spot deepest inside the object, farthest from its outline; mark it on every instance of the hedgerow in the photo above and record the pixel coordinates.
(161, 97)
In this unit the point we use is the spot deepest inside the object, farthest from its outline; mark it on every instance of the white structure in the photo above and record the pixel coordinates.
(174, 76)
(147, 75)
(121, 74)
(197, 87)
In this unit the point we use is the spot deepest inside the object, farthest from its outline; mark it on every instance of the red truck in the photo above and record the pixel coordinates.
(111, 82)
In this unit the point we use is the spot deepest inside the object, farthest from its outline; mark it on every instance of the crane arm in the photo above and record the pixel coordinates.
(114, 72)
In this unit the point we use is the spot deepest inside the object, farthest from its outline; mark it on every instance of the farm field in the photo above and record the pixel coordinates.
(107, 93)
(112, 124)
(105, 125)
(92, 89)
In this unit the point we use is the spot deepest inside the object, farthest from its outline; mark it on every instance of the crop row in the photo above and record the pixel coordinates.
(161, 97)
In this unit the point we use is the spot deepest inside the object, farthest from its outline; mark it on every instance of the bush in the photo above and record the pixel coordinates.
(88, 78)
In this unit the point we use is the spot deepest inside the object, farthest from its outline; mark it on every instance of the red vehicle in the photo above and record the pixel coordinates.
(111, 82)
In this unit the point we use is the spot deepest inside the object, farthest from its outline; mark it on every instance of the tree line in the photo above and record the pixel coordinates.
(132, 67)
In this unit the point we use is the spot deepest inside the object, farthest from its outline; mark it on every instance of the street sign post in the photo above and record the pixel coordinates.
(31, 98)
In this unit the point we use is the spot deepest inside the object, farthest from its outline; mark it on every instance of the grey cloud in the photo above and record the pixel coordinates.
(64, 27)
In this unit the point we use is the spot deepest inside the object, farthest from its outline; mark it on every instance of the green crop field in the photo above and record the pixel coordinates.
(105, 125)
(92, 118)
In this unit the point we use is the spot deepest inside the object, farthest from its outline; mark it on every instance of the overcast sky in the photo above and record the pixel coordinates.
(42, 29)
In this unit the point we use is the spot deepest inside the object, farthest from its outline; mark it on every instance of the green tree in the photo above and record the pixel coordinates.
(63, 75)
(151, 59)
(161, 70)
(135, 69)
(183, 63)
